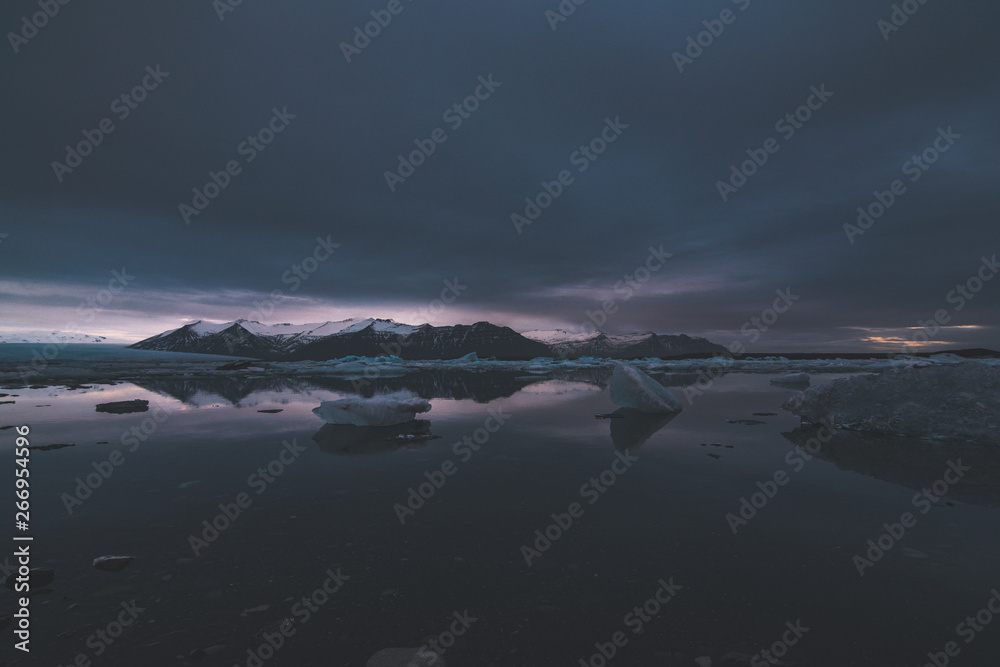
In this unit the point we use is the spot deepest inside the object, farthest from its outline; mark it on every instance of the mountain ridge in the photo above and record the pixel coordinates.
(370, 337)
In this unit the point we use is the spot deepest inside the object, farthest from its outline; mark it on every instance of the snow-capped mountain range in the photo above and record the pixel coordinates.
(373, 337)
(622, 346)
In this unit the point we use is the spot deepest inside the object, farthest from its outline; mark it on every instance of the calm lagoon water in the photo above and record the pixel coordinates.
(332, 506)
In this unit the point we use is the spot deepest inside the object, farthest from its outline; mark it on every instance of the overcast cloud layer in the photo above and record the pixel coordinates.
(323, 177)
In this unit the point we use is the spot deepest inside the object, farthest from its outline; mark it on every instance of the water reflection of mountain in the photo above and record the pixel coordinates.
(231, 388)
(346, 440)
(914, 464)
(480, 387)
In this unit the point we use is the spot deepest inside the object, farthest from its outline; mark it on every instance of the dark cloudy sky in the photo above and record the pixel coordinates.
(656, 185)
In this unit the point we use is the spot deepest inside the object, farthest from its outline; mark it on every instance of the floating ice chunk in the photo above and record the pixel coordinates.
(382, 410)
(631, 388)
(792, 379)
(469, 358)
(947, 358)
(940, 401)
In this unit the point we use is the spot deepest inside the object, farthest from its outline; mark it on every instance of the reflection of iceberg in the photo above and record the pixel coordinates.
(636, 428)
(632, 388)
(381, 410)
(343, 440)
(915, 464)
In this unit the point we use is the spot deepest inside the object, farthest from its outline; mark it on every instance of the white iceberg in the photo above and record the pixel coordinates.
(940, 401)
(792, 380)
(382, 410)
(631, 388)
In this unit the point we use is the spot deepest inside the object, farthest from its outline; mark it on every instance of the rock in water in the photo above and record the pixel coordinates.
(631, 388)
(383, 410)
(792, 380)
(123, 407)
(112, 563)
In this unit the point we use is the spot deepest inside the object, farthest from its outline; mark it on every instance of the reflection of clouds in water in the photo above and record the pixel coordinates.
(560, 387)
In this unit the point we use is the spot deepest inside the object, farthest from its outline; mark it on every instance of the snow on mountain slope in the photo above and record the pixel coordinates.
(50, 337)
(560, 337)
(381, 326)
(630, 338)
(557, 336)
(313, 330)
(625, 346)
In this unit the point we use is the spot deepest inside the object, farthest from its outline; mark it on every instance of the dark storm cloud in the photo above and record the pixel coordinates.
(323, 176)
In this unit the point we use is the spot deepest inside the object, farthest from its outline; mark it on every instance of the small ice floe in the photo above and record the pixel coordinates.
(113, 563)
(792, 380)
(632, 388)
(382, 410)
(123, 407)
